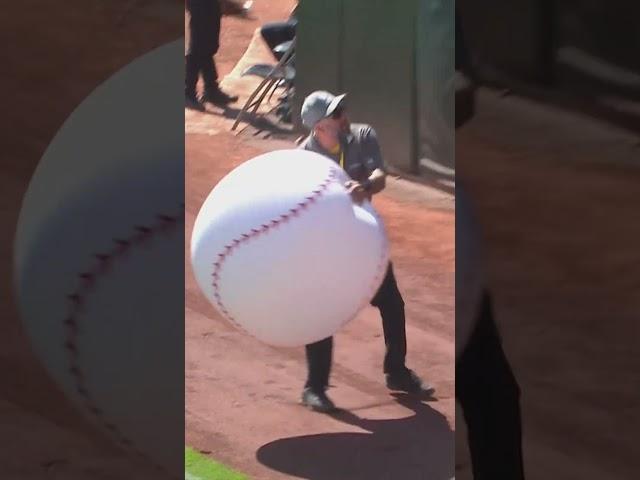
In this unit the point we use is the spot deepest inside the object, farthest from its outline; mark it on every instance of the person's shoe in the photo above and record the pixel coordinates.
(317, 401)
(219, 98)
(192, 103)
(407, 381)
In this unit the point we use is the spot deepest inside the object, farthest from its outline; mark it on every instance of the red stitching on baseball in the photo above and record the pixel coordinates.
(245, 237)
(77, 299)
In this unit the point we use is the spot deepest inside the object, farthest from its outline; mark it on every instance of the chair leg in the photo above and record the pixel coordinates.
(249, 103)
(262, 96)
(275, 87)
(256, 93)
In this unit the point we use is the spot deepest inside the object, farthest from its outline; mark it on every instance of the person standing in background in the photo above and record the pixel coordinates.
(204, 41)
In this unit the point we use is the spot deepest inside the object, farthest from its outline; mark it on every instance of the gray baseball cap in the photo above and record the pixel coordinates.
(319, 105)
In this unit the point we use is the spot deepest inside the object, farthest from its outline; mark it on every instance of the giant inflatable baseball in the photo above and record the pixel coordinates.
(282, 252)
(99, 258)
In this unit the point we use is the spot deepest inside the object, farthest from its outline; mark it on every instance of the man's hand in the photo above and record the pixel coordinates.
(364, 191)
(377, 181)
(357, 192)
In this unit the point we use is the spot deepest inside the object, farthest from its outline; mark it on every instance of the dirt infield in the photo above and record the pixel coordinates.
(242, 396)
(557, 196)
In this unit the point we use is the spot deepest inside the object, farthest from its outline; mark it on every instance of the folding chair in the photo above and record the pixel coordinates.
(282, 74)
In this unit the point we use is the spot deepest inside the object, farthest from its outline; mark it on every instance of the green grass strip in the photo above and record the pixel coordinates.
(200, 467)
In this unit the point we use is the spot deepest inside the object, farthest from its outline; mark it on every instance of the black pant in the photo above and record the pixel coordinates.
(196, 65)
(277, 33)
(391, 305)
(490, 399)
(204, 41)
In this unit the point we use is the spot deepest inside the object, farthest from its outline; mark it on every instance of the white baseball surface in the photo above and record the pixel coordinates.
(282, 251)
(469, 270)
(100, 254)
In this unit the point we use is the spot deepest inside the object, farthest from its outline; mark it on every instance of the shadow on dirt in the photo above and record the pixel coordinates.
(420, 446)
(262, 124)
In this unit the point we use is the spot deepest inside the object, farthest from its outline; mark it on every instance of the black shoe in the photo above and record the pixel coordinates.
(192, 103)
(317, 401)
(407, 381)
(219, 98)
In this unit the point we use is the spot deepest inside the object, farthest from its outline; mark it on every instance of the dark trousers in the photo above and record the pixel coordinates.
(277, 33)
(204, 41)
(490, 399)
(391, 305)
(197, 65)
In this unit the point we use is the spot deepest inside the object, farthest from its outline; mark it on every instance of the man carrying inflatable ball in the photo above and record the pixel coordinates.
(355, 148)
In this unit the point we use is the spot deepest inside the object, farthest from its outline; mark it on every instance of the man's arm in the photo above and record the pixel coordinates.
(377, 180)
